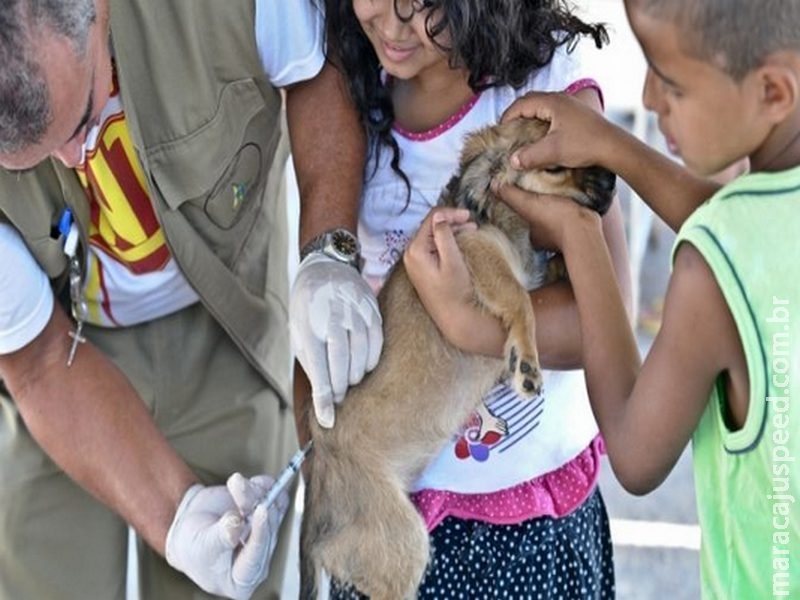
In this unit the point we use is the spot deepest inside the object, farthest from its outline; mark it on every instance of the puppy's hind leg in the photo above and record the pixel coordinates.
(360, 555)
(494, 267)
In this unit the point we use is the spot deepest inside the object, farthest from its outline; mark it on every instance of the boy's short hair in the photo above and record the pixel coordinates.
(734, 35)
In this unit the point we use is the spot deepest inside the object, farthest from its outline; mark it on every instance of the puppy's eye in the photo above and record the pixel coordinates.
(555, 170)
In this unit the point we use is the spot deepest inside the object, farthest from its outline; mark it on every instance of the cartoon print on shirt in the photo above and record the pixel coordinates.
(491, 425)
(498, 423)
(482, 431)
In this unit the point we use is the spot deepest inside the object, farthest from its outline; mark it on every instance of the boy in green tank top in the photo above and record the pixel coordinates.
(724, 371)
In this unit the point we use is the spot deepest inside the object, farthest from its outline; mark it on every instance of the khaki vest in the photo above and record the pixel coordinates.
(207, 128)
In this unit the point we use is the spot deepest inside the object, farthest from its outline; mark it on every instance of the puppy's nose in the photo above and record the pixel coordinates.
(602, 179)
(600, 184)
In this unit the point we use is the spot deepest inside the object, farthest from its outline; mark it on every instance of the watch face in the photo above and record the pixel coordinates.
(344, 243)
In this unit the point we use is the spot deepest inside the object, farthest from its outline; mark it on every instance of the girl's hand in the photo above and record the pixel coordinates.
(554, 220)
(434, 262)
(437, 270)
(574, 137)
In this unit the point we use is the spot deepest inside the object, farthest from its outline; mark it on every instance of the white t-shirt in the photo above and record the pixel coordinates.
(27, 300)
(510, 440)
(131, 276)
(289, 38)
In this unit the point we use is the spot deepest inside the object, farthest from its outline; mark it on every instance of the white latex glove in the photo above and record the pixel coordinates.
(222, 539)
(336, 328)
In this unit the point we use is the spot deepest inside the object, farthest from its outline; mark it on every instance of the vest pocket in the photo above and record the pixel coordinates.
(216, 175)
(236, 187)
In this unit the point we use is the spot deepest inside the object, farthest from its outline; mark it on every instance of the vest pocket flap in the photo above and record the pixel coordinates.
(197, 165)
(50, 254)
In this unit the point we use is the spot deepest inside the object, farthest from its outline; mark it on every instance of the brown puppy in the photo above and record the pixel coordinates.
(358, 522)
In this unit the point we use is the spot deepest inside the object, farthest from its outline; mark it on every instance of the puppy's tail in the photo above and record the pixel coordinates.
(309, 574)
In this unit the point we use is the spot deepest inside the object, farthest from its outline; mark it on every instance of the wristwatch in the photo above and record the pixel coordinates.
(339, 244)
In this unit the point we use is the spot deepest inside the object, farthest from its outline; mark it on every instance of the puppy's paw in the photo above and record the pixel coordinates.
(526, 376)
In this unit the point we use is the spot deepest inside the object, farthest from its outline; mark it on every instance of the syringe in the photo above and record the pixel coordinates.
(286, 475)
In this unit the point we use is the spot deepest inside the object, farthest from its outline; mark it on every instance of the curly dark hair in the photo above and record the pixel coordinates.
(499, 42)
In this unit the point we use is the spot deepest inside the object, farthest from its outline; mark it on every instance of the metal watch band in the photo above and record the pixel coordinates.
(339, 244)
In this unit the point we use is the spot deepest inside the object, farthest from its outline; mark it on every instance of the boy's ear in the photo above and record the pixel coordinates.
(779, 81)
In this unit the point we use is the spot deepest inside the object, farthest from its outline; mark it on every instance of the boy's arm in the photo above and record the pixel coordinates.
(579, 137)
(558, 335)
(698, 341)
(646, 416)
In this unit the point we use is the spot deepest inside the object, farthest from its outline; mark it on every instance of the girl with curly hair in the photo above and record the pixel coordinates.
(511, 502)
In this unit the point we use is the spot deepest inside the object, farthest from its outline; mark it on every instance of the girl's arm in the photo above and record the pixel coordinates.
(646, 416)
(437, 270)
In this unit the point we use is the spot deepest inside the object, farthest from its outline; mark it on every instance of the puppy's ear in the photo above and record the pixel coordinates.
(477, 209)
(449, 194)
(477, 143)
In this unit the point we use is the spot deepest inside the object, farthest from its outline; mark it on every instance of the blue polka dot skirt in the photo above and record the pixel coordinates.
(569, 558)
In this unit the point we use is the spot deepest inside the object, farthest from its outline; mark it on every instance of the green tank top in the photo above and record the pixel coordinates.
(748, 481)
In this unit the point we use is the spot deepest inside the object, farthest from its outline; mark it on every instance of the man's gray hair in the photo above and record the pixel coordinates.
(25, 111)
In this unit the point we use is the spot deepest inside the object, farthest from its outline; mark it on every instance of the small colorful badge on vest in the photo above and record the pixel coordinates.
(239, 190)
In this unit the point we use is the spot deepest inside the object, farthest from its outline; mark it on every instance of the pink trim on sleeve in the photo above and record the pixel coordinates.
(583, 84)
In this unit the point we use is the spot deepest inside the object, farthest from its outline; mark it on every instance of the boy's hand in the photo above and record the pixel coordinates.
(551, 218)
(575, 134)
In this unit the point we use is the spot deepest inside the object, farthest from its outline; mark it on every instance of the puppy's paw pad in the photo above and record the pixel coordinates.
(525, 373)
(529, 380)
